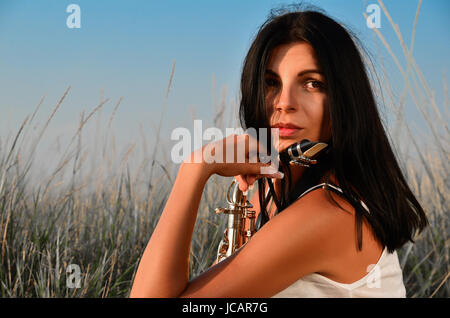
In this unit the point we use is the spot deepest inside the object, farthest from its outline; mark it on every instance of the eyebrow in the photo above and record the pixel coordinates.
(300, 74)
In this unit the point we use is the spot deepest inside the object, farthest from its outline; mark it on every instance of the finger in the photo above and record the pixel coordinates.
(254, 149)
(264, 170)
(241, 180)
(251, 178)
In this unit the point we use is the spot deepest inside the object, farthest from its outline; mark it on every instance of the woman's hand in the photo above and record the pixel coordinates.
(238, 156)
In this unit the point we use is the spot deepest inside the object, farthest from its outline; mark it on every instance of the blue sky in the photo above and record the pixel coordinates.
(126, 49)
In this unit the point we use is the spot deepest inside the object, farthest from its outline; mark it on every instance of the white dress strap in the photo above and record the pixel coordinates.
(322, 185)
(327, 185)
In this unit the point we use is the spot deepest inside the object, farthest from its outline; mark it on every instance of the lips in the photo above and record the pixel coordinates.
(286, 129)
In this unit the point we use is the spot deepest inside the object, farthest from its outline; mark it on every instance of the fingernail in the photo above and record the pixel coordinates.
(279, 175)
(271, 170)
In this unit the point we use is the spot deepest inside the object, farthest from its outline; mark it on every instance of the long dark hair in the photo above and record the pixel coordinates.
(360, 158)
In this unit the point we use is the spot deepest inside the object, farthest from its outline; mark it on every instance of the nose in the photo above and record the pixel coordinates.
(285, 101)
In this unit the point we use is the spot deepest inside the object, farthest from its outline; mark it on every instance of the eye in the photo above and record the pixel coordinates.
(313, 84)
(270, 82)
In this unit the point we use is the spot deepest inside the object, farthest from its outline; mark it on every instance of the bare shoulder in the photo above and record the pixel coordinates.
(345, 262)
(322, 203)
(321, 222)
(298, 241)
(324, 212)
(326, 218)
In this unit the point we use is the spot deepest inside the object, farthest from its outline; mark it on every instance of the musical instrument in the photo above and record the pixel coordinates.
(241, 220)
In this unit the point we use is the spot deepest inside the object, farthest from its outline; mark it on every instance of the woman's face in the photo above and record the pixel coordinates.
(296, 95)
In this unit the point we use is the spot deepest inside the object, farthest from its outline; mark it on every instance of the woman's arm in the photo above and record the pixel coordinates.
(307, 236)
(163, 269)
(294, 243)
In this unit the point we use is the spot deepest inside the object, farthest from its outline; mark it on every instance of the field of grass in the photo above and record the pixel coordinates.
(101, 216)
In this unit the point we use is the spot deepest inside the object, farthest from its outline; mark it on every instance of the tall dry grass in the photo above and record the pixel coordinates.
(424, 157)
(101, 216)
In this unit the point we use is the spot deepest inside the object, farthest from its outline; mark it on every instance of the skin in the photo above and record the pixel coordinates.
(299, 100)
(311, 236)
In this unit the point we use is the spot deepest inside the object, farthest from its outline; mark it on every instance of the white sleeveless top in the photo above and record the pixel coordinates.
(383, 279)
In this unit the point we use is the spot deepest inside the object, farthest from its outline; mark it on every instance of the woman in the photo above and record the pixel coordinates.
(304, 75)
